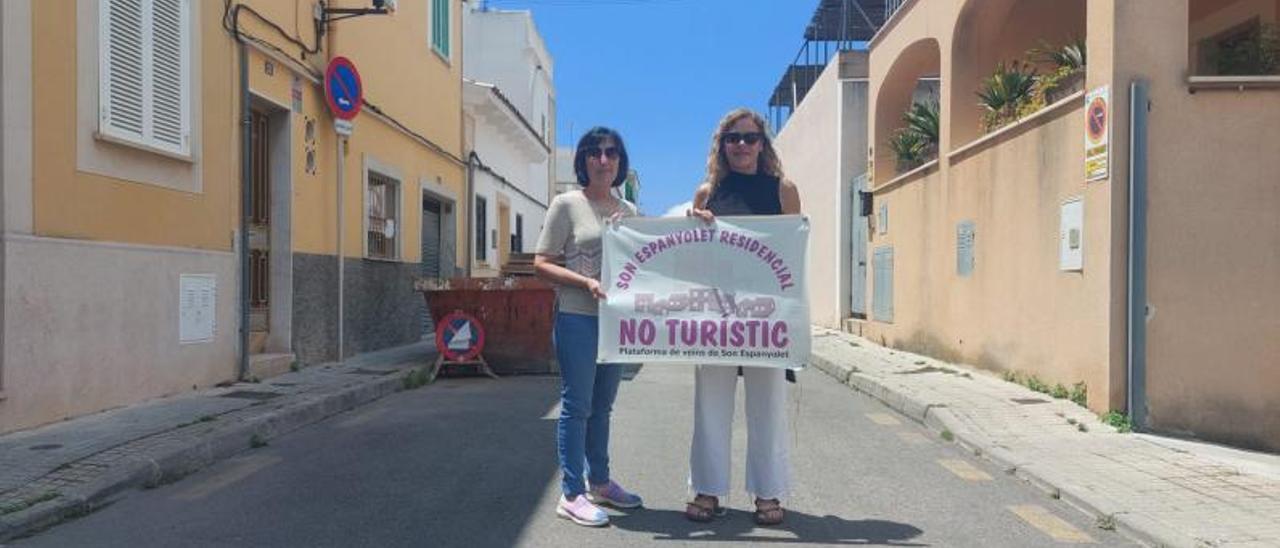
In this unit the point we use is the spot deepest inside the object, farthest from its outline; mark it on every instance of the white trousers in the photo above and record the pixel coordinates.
(768, 467)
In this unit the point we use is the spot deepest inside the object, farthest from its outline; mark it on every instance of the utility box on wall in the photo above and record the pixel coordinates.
(1071, 236)
(964, 248)
(197, 298)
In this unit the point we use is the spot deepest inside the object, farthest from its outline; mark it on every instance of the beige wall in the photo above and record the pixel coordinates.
(90, 326)
(1213, 240)
(1017, 310)
(1012, 187)
(1212, 228)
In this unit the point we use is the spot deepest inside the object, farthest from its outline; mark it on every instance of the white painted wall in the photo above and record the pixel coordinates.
(504, 49)
(822, 148)
(565, 179)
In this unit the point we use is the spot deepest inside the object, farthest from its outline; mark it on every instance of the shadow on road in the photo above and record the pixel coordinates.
(738, 527)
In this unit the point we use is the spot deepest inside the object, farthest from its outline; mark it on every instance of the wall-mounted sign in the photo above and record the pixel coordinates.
(197, 307)
(1071, 236)
(1097, 134)
(342, 89)
(964, 248)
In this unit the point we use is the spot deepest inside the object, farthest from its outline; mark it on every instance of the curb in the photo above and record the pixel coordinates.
(166, 466)
(938, 418)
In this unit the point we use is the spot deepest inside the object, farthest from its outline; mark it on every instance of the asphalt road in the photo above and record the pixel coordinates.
(472, 462)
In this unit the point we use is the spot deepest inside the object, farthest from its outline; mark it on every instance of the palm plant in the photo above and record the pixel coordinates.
(917, 142)
(1068, 62)
(1004, 92)
(909, 149)
(922, 119)
(1070, 56)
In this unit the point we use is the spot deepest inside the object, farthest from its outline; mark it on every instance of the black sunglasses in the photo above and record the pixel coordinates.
(594, 152)
(750, 138)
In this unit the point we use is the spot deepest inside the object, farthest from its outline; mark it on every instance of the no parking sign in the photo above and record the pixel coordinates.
(459, 337)
(1097, 137)
(343, 92)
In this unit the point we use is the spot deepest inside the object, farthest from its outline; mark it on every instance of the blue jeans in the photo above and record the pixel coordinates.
(586, 401)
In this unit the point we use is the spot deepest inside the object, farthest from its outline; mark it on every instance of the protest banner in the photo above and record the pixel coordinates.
(684, 291)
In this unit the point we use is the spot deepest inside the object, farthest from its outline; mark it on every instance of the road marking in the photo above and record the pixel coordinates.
(1050, 524)
(964, 470)
(883, 419)
(553, 413)
(239, 469)
(913, 438)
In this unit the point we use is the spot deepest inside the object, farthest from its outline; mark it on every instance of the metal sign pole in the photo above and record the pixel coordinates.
(342, 142)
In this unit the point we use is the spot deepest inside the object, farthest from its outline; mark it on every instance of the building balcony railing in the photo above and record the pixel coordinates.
(891, 7)
(837, 25)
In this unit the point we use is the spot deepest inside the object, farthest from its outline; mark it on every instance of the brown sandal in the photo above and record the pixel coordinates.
(769, 512)
(703, 508)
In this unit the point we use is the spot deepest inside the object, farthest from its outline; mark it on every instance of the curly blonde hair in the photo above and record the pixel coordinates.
(718, 165)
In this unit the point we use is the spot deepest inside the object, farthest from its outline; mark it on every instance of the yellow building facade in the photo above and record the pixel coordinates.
(127, 158)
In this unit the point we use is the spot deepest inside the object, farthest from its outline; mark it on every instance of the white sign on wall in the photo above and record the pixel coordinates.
(1071, 236)
(197, 307)
(683, 291)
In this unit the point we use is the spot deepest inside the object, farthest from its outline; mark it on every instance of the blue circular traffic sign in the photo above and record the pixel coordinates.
(342, 88)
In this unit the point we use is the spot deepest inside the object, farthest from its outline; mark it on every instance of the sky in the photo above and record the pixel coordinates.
(663, 72)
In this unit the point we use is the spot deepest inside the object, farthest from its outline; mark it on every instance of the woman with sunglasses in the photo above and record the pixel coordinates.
(572, 229)
(744, 177)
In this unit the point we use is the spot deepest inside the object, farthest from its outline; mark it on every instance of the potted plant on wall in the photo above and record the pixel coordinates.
(1256, 52)
(1067, 75)
(1005, 94)
(917, 142)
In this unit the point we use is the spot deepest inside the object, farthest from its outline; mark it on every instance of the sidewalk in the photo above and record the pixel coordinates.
(70, 468)
(1160, 491)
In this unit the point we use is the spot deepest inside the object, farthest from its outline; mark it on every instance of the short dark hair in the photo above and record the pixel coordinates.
(592, 138)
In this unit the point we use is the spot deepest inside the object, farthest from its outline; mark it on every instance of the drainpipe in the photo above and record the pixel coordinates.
(246, 173)
(1139, 106)
(471, 214)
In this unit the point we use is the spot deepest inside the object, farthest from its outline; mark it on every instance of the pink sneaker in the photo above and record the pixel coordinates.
(582, 512)
(614, 495)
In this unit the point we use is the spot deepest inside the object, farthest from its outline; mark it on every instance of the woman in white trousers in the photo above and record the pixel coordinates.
(744, 177)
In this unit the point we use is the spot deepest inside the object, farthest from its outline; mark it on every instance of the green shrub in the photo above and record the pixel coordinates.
(908, 149)
(1079, 394)
(1004, 93)
(1118, 420)
(1071, 55)
(1253, 54)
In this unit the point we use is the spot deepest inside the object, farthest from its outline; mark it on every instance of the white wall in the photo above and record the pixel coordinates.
(822, 147)
(503, 48)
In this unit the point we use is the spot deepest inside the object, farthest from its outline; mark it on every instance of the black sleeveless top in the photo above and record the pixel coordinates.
(741, 194)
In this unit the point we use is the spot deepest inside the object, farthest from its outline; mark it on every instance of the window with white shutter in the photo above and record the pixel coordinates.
(144, 76)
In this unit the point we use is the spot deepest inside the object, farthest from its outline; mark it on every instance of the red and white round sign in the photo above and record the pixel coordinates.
(459, 337)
